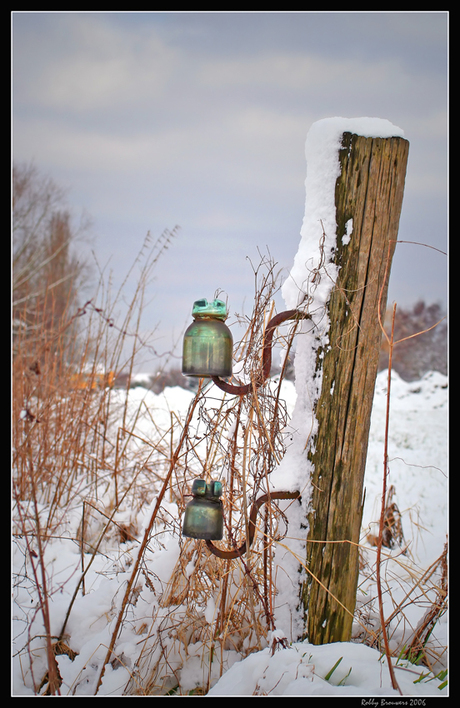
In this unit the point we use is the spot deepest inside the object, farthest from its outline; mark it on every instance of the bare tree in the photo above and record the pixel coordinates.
(415, 356)
(46, 272)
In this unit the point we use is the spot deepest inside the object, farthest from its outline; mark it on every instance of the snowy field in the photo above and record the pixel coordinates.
(418, 471)
(418, 476)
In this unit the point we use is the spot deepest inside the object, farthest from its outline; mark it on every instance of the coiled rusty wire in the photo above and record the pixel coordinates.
(241, 391)
(237, 552)
(266, 353)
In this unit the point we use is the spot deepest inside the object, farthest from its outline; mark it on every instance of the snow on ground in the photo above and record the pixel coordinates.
(418, 472)
(418, 468)
(302, 670)
(417, 459)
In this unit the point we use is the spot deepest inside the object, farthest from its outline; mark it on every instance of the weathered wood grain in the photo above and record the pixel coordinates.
(370, 192)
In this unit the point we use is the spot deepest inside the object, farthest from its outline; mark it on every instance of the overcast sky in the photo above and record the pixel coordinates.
(152, 120)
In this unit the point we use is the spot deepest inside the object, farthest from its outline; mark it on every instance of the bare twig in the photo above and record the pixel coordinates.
(394, 682)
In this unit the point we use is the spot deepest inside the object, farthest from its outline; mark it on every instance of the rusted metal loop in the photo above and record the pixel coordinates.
(266, 353)
(237, 552)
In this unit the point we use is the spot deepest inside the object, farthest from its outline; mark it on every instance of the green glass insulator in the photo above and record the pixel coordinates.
(208, 342)
(203, 308)
(204, 516)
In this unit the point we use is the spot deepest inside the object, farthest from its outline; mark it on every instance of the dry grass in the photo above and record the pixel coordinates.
(70, 461)
(78, 453)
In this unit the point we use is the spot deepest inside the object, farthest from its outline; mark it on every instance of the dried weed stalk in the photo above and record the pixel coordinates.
(64, 458)
(67, 461)
(439, 605)
(212, 606)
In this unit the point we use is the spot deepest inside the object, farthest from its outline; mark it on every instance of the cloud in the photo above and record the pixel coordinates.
(101, 66)
(200, 119)
(131, 76)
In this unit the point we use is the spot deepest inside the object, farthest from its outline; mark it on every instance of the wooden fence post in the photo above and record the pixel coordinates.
(369, 191)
